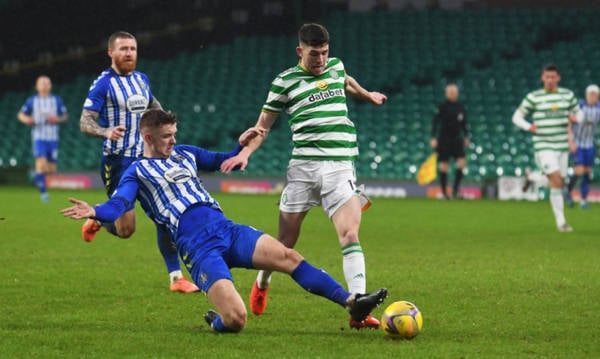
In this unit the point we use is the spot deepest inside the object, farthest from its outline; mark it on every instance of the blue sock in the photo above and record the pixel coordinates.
(218, 326)
(585, 186)
(167, 248)
(317, 281)
(40, 182)
(110, 228)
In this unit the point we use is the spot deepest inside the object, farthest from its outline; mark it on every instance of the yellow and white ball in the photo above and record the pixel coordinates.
(402, 320)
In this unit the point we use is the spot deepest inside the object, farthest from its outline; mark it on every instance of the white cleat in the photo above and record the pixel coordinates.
(565, 228)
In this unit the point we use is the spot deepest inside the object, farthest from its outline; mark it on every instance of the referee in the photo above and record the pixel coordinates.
(450, 137)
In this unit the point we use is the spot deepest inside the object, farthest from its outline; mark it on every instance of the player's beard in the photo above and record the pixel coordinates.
(126, 66)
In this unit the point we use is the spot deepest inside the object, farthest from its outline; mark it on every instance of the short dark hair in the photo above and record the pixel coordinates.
(118, 35)
(551, 67)
(313, 35)
(155, 118)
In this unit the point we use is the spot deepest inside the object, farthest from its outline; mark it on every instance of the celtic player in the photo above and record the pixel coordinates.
(551, 108)
(321, 170)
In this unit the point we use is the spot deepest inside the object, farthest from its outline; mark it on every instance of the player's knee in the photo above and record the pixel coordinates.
(125, 230)
(235, 319)
(348, 237)
(293, 257)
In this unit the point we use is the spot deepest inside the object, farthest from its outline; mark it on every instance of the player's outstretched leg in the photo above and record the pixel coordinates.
(270, 254)
(289, 231)
(318, 282)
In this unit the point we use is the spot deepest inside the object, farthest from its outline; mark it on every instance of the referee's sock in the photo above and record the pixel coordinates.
(444, 182)
(458, 175)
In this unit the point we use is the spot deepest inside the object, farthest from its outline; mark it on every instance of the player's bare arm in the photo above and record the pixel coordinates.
(573, 117)
(579, 117)
(88, 124)
(571, 139)
(353, 88)
(265, 121)
(155, 105)
(25, 119)
(250, 134)
(58, 119)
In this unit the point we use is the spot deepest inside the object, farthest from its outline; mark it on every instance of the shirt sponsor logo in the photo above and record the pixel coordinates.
(178, 175)
(137, 103)
(324, 95)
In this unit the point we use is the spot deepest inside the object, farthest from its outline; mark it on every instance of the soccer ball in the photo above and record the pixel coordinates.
(401, 320)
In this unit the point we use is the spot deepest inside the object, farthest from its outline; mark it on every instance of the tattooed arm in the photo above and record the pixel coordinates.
(155, 105)
(88, 124)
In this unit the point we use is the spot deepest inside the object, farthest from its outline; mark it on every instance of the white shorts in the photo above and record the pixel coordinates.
(551, 161)
(315, 183)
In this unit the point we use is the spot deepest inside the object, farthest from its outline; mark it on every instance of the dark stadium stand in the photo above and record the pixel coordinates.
(494, 55)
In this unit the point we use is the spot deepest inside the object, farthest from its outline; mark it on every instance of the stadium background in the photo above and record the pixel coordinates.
(212, 62)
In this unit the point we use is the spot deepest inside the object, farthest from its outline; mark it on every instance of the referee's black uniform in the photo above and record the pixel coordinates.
(449, 127)
(450, 120)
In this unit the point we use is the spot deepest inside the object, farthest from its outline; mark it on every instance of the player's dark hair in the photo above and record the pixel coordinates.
(551, 67)
(313, 35)
(118, 35)
(156, 118)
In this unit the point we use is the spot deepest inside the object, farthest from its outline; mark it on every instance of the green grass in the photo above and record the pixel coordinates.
(493, 279)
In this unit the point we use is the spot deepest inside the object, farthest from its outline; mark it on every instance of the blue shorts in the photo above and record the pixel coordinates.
(46, 149)
(210, 244)
(112, 168)
(584, 157)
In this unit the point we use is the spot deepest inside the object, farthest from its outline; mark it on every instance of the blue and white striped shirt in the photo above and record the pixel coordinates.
(583, 133)
(121, 100)
(166, 188)
(40, 108)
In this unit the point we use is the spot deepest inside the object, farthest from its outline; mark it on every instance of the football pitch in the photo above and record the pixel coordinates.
(492, 279)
